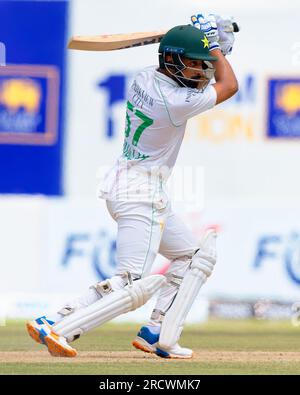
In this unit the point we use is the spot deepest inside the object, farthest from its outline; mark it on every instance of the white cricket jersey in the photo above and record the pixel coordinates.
(156, 116)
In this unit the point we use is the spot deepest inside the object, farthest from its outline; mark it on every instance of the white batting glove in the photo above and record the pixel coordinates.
(226, 37)
(208, 25)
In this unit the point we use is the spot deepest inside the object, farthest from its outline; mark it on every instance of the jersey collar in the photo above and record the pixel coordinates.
(163, 77)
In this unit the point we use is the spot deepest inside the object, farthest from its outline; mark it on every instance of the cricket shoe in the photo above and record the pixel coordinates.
(38, 329)
(147, 341)
(41, 331)
(175, 352)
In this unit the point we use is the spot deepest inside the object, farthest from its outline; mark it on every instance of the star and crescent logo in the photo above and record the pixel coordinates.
(205, 42)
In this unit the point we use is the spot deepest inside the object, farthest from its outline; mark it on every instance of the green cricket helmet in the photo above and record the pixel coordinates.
(189, 42)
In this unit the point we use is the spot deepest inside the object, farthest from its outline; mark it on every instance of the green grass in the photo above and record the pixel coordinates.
(240, 336)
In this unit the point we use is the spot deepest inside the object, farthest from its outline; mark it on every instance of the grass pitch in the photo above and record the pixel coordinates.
(221, 347)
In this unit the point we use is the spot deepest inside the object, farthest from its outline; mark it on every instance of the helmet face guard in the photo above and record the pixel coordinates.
(191, 43)
(177, 66)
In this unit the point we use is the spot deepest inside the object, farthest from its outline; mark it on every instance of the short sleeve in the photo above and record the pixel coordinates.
(185, 103)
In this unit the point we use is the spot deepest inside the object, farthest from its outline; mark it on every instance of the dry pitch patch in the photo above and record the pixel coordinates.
(204, 356)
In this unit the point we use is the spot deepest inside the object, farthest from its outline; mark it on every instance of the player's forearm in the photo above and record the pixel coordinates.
(226, 83)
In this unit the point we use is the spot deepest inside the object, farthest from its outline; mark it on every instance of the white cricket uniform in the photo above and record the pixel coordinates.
(134, 189)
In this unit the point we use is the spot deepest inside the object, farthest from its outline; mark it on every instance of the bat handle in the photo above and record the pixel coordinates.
(233, 28)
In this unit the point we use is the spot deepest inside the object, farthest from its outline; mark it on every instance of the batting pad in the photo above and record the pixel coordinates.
(173, 322)
(109, 307)
(195, 277)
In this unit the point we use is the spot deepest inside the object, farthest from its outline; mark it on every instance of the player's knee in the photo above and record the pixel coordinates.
(109, 285)
(115, 283)
(180, 264)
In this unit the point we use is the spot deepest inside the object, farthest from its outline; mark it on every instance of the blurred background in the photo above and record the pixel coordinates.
(62, 118)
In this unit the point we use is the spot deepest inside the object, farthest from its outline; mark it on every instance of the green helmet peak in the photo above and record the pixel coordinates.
(188, 41)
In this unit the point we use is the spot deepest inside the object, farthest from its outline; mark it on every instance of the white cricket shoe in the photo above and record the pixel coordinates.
(41, 331)
(147, 341)
(175, 352)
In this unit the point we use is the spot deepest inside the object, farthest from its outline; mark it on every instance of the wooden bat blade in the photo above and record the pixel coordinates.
(115, 41)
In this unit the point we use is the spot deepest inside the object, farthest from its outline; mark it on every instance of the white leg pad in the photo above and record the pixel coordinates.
(201, 267)
(110, 306)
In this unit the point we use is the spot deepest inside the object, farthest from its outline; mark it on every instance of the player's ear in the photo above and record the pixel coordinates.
(168, 58)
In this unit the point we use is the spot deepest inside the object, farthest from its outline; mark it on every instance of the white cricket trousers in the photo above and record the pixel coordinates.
(144, 230)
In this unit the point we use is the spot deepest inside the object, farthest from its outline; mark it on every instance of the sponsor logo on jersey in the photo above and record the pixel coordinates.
(141, 97)
(28, 104)
(283, 113)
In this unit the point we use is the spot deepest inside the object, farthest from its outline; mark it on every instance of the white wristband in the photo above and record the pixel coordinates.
(214, 45)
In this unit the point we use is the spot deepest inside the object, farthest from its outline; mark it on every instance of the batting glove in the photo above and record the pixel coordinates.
(208, 25)
(226, 35)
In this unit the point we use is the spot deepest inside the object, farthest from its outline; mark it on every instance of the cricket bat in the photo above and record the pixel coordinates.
(111, 42)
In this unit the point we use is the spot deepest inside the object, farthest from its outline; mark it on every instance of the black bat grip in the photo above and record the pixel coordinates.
(235, 27)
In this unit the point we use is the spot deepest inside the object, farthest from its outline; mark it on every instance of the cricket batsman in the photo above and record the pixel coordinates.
(193, 76)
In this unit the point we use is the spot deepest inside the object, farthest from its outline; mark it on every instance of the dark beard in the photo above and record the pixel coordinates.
(190, 84)
(186, 83)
